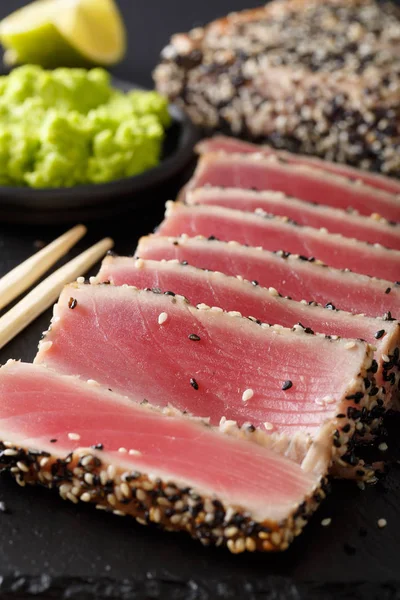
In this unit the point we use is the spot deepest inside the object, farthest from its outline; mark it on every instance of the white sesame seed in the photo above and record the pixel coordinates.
(103, 477)
(140, 495)
(71, 497)
(10, 452)
(328, 399)
(268, 426)
(273, 291)
(88, 478)
(135, 452)
(125, 490)
(111, 499)
(92, 280)
(92, 382)
(202, 306)
(74, 436)
(383, 447)
(80, 280)
(326, 522)
(44, 346)
(111, 471)
(139, 263)
(350, 345)
(86, 460)
(43, 462)
(247, 395)
(385, 358)
(119, 513)
(162, 317)
(123, 450)
(86, 497)
(382, 523)
(22, 467)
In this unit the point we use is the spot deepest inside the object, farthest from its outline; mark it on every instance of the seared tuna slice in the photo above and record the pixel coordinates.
(139, 343)
(254, 171)
(95, 446)
(349, 224)
(275, 233)
(221, 143)
(289, 274)
(316, 77)
(236, 294)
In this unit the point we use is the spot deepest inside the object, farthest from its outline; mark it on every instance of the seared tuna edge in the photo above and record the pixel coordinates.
(83, 476)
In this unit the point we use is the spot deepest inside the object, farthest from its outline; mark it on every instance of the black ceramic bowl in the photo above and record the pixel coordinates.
(51, 205)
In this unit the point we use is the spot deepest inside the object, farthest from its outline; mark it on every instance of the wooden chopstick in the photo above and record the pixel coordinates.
(22, 277)
(47, 292)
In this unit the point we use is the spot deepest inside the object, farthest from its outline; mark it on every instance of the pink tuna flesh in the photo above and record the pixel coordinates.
(231, 293)
(291, 276)
(138, 343)
(233, 146)
(260, 173)
(43, 411)
(275, 233)
(351, 225)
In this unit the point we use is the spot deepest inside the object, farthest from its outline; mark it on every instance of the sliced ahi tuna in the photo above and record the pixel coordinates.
(236, 294)
(230, 145)
(140, 343)
(349, 224)
(303, 182)
(289, 274)
(96, 446)
(275, 233)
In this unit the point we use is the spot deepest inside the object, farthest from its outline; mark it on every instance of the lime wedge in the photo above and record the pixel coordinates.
(64, 33)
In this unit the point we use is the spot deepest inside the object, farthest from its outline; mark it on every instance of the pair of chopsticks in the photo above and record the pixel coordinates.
(46, 293)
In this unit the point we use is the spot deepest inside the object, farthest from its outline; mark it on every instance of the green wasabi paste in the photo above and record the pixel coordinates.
(69, 127)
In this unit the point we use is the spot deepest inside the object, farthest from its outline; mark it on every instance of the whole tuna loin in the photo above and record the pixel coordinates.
(270, 173)
(95, 446)
(236, 294)
(349, 224)
(140, 343)
(275, 233)
(291, 275)
(230, 145)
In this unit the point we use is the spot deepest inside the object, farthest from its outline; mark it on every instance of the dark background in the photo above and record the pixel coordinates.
(50, 548)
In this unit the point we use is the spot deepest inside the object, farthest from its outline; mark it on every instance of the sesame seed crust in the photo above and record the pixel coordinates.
(316, 78)
(84, 475)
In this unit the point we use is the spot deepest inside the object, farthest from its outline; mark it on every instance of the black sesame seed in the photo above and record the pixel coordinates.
(97, 447)
(287, 385)
(356, 397)
(194, 383)
(53, 441)
(379, 334)
(194, 337)
(184, 263)
(346, 428)
(72, 302)
(255, 282)
(330, 306)
(169, 293)
(388, 290)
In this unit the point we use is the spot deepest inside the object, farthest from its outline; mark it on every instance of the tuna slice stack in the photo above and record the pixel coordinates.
(255, 171)
(292, 275)
(265, 305)
(248, 348)
(229, 145)
(279, 233)
(157, 348)
(367, 229)
(100, 447)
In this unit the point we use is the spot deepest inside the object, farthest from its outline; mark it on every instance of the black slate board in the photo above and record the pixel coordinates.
(53, 549)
